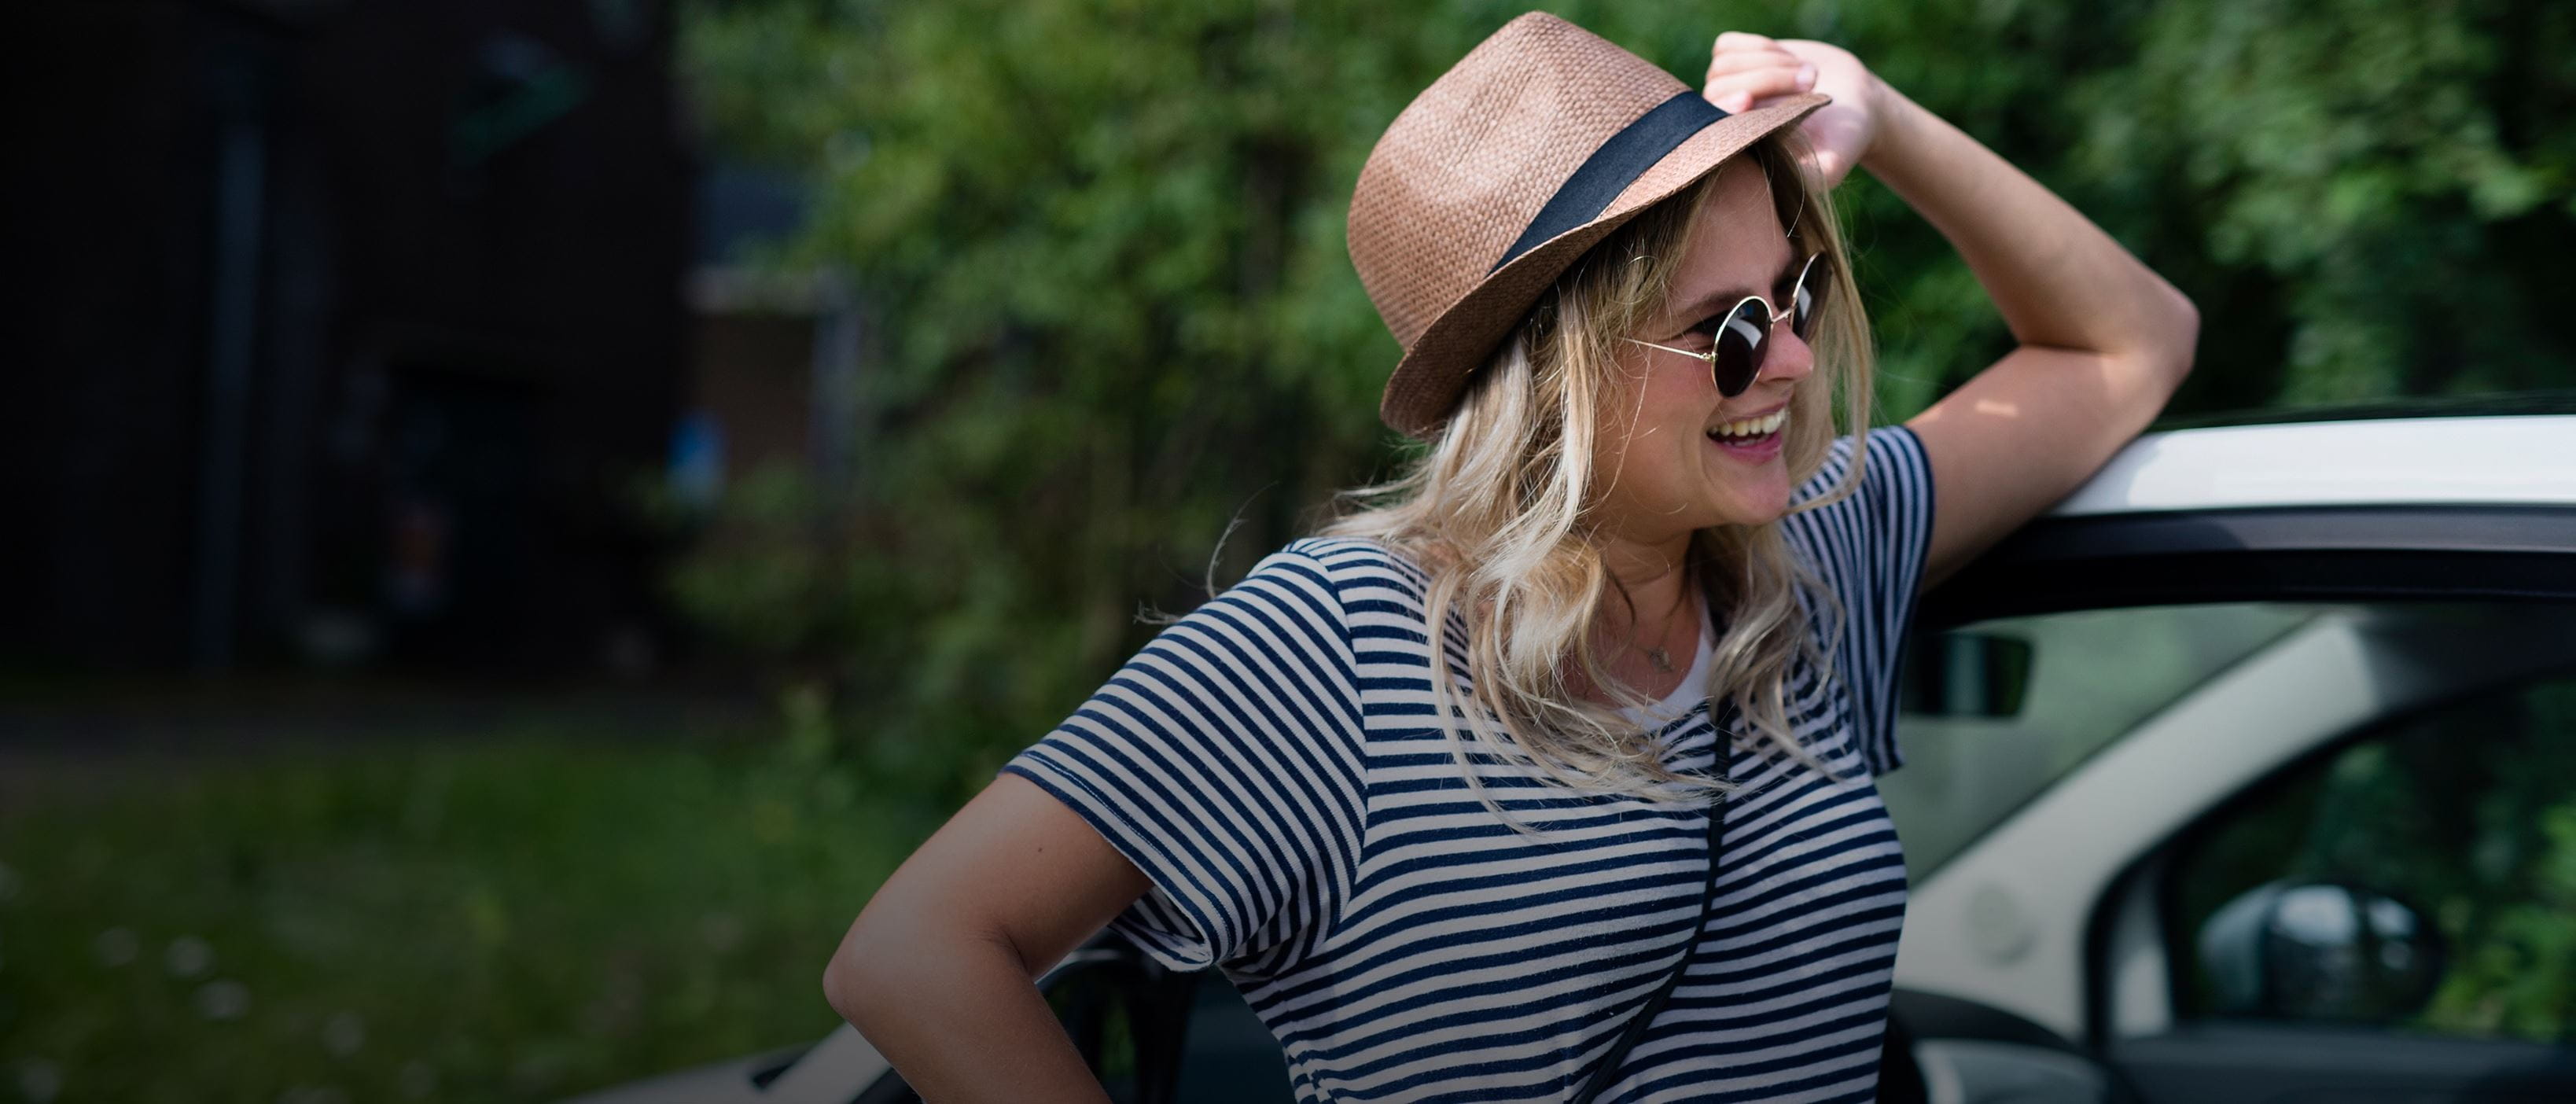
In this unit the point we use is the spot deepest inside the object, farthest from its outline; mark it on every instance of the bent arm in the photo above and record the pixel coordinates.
(938, 970)
(2104, 340)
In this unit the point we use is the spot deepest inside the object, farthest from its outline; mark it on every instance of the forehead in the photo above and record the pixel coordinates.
(1738, 242)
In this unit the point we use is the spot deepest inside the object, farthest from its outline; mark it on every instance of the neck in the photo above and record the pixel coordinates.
(1640, 565)
(1658, 582)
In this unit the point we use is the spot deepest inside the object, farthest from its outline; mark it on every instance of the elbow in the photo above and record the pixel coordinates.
(2157, 353)
(853, 977)
(843, 985)
(891, 957)
(2186, 327)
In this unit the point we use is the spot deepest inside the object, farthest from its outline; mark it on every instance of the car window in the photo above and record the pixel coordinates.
(2091, 675)
(1231, 1055)
(2422, 876)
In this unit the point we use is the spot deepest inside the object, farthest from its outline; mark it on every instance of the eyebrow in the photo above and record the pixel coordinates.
(1708, 304)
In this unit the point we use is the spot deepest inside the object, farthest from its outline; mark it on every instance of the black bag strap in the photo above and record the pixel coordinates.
(1607, 1073)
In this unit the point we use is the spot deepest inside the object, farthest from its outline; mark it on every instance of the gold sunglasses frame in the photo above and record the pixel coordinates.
(1762, 351)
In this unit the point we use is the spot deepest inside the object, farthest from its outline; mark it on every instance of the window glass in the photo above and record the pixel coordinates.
(2460, 820)
(1231, 1055)
(2092, 675)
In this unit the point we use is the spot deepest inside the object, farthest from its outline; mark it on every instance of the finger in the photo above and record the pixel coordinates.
(1735, 39)
(1743, 88)
(1736, 61)
(1757, 76)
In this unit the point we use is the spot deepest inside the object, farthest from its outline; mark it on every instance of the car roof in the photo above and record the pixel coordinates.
(2515, 459)
(2561, 400)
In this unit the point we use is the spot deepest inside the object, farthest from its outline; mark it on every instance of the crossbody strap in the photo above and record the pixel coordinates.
(1607, 1073)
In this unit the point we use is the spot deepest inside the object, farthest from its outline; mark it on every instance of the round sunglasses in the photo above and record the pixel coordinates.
(1742, 335)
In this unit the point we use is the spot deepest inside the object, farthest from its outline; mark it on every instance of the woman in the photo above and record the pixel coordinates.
(1629, 847)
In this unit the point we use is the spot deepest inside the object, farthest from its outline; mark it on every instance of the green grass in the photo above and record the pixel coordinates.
(472, 922)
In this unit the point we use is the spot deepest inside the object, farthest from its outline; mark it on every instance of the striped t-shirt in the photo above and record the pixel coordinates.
(1271, 764)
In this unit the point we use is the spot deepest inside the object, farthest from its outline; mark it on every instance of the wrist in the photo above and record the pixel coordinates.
(1896, 117)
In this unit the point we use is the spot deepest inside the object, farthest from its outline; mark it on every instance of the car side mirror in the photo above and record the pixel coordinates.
(1965, 674)
(2320, 951)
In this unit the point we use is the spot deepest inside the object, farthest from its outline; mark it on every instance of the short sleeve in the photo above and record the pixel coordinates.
(1869, 550)
(1224, 761)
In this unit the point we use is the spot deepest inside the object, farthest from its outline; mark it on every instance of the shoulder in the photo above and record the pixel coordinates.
(1351, 555)
(1384, 594)
(1887, 508)
(1365, 567)
(1892, 457)
(1865, 538)
(1360, 568)
(1315, 588)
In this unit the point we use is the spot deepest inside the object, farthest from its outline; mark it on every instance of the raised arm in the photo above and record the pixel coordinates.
(2104, 340)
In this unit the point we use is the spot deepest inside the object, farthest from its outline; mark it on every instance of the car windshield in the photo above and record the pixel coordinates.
(2092, 675)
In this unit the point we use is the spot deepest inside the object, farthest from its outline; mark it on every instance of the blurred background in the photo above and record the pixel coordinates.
(519, 514)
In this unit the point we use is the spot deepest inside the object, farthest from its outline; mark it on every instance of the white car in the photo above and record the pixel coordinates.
(2247, 773)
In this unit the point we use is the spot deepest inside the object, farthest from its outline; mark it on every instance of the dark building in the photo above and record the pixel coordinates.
(340, 330)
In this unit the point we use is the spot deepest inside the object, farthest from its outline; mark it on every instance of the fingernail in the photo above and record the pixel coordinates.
(1806, 76)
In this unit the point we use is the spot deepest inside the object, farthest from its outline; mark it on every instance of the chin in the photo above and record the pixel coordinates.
(1750, 520)
(1755, 509)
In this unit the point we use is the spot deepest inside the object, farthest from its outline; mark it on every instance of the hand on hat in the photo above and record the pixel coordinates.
(1747, 70)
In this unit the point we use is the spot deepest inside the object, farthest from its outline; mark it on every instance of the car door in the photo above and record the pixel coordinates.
(2109, 707)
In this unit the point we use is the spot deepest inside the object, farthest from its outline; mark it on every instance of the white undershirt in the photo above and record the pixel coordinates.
(1693, 688)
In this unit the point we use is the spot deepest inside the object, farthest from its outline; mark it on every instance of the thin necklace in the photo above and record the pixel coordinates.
(1662, 660)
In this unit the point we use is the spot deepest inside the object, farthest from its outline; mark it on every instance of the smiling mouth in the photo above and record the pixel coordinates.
(1748, 430)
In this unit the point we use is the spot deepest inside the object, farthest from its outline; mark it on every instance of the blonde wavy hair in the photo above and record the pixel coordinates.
(1498, 513)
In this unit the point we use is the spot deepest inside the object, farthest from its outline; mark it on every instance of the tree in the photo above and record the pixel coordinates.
(1102, 241)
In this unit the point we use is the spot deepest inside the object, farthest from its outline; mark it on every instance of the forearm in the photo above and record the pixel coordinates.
(938, 970)
(2058, 280)
(962, 1022)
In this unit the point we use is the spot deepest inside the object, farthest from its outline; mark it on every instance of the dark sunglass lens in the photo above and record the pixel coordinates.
(1739, 348)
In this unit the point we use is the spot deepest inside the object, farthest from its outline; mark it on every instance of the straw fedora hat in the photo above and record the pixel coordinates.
(1534, 147)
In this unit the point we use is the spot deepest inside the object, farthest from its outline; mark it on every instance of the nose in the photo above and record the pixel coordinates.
(1789, 358)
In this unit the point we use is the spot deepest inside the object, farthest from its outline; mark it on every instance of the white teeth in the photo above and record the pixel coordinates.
(1752, 427)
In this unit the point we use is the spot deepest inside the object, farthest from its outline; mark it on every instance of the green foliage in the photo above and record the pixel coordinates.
(1100, 244)
(2404, 173)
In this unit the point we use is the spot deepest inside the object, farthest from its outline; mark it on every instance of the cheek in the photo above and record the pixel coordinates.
(1683, 385)
(1666, 465)
(1678, 400)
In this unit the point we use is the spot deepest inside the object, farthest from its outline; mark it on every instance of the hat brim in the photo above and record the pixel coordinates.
(1425, 387)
